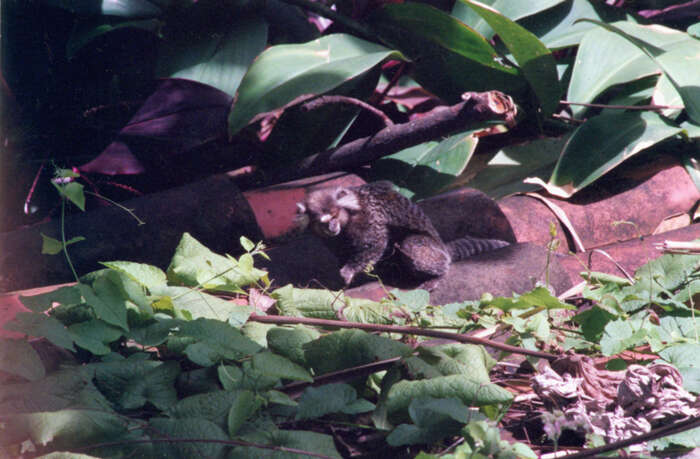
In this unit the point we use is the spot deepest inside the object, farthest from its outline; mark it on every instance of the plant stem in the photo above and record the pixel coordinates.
(63, 238)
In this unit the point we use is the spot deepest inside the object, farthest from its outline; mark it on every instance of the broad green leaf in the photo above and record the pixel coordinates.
(414, 300)
(188, 428)
(217, 58)
(195, 304)
(454, 359)
(621, 335)
(73, 191)
(147, 275)
(224, 340)
(434, 419)
(153, 334)
(242, 408)
(688, 439)
(41, 325)
(277, 366)
(303, 440)
(284, 72)
(506, 171)
(682, 355)
(329, 398)
(605, 59)
(132, 382)
(678, 64)
(348, 348)
(313, 303)
(51, 246)
(123, 8)
(64, 295)
(601, 144)
(508, 8)
(87, 30)
(18, 357)
(557, 27)
(107, 300)
(429, 167)
(471, 393)
(289, 342)
(665, 94)
(535, 60)
(193, 265)
(213, 406)
(95, 336)
(449, 57)
(368, 311)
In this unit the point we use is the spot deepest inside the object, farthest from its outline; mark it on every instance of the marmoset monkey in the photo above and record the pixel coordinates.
(365, 224)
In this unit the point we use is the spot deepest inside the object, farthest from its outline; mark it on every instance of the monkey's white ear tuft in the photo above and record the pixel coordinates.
(301, 208)
(347, 199)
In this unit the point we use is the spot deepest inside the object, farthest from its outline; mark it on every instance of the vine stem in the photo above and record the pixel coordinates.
(63, 238)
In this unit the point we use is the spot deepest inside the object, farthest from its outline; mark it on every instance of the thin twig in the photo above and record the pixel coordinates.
(403, 330)
(335, 99)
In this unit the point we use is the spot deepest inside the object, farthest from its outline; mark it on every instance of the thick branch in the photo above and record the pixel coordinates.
(477, 107)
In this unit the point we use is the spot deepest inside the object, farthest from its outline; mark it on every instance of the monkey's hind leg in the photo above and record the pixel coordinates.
(424, 256)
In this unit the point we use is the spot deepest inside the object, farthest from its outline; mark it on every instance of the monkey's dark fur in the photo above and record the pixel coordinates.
(365, 224)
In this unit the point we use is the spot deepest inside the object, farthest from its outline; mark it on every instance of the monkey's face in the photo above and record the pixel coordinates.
(328, 210)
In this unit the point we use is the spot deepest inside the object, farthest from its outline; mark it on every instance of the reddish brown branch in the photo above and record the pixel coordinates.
(404, 330)
(325, 100)
(477, 107)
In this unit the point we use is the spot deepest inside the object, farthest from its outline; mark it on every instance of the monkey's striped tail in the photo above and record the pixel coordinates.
(467, 246)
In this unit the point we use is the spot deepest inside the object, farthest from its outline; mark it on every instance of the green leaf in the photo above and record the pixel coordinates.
(247, 244)
(308, 302)
(330, 398)
(153, 334)
(602, 143)
(86, 30)
(73, 191)
(289, 342)
(458, 359)
(64, 295)
(414, 300)
(471, 393)
(148, 276)
(284, 72)
(434, 419)
(243, 407)
(66, 455)
(535, 60)
(676, 64)
(213, 406)
(95, 336)
(51, 246)
(107, 300)
(131, 383)
(505, 172)
(277, 366)
(224, 341)
(19, 358)
(429, 167)
(621, 335)
(349, 348)
(559, 27)
(193, 265)
(41, 325)
(195, 305)
(449, 57)
(605, 59)
(198, 428)
(218, 57)
(508, 8)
